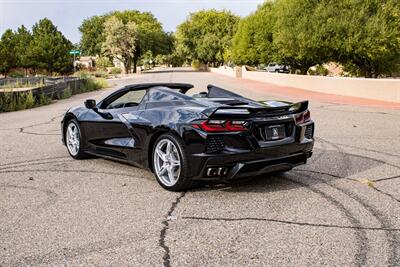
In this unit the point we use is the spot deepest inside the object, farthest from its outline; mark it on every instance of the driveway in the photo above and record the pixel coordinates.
(341, 209)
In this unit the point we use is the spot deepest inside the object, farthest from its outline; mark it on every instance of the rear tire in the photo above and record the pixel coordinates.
(73, 140)
(170, 164)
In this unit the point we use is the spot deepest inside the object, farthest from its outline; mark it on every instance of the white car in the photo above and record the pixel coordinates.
(274, 67)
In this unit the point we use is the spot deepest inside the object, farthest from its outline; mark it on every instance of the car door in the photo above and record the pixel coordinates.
(108, 131)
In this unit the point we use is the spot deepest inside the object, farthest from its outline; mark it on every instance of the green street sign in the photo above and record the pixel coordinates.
(74, 52)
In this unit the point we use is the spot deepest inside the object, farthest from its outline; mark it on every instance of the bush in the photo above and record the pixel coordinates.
(116, 71)
(43, 100)
(82, 74)
(16, 74)
(67, 93)
(91, 84)
(196, 64)
(318, 70)
(12, 101)
(101, 74)
(103, 63)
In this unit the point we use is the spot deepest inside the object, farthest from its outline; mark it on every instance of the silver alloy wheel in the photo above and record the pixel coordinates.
(72, 138)
(167, 163)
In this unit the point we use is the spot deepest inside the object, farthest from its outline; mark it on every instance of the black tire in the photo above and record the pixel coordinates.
(80, 154)
(183, 182)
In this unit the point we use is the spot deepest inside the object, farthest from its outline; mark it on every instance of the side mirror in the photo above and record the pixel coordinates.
(90, 103)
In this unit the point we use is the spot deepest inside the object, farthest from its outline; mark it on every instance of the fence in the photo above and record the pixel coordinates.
(16, 99)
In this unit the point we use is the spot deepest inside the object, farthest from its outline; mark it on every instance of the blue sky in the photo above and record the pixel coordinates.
(68, 15)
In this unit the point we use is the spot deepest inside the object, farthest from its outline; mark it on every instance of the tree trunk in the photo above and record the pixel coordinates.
(134, 65)
(303, 70)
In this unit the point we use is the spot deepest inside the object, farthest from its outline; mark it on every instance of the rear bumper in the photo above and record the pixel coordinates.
(250, 163)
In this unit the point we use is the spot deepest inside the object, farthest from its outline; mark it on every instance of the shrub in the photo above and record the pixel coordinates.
(101, 74)
(82, 74)
(11, 101)
(318, 70)
(103, 63)
(116, 70)
(67, 93)
(16, 74)
(196, 64)
(91, 84)
(43, 100)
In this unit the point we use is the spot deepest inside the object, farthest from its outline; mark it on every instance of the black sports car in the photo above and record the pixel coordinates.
(213, 135)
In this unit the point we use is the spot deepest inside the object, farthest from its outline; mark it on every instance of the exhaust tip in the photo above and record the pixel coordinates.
(217, 171)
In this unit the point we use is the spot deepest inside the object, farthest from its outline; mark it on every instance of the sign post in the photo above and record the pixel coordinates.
(74, 52)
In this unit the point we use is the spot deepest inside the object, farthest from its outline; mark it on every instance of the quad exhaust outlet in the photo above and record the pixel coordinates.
(217, 171)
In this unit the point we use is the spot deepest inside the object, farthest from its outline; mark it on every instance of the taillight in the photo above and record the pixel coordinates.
(303, 117)
(221, 126)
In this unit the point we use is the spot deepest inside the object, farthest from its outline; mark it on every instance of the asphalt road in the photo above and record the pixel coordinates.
(341, 209)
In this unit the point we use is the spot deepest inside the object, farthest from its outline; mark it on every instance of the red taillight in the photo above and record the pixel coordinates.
(235, 126)
(303, 117)
(221, 126)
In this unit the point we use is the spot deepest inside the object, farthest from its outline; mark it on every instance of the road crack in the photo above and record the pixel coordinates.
(163, 232)
(289, 222)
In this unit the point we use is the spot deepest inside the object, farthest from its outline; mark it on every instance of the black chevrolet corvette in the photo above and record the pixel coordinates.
(213, 135)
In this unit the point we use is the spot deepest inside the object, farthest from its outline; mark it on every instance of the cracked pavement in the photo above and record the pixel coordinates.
(341, 209)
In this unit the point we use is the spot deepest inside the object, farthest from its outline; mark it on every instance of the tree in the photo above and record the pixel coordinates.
(8, 57)
(298, 34)
(92, 35)
(206, 35)
(120, 40)
(49, 48)
(365, 35)
(103, 62)
(253, 41)
(23, 40)
(151, 36)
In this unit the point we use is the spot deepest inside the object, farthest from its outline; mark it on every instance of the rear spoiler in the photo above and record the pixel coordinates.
(245, 112)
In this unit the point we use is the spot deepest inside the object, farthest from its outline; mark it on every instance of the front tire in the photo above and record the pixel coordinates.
(170, 164)
(73, 140)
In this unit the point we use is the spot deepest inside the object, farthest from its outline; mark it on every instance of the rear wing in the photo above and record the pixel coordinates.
(246, 112)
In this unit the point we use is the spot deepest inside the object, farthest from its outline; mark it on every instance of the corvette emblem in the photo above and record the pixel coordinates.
(275, 132)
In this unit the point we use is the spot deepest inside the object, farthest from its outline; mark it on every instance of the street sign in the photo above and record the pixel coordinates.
(74, 52)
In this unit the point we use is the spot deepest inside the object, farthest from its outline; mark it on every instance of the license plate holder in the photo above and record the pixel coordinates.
(275, 132)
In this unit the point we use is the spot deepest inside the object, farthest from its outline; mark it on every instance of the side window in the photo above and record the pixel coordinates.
(162, 96)
(130, 99)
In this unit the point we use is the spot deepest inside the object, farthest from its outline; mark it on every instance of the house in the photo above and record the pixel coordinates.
(86, 61)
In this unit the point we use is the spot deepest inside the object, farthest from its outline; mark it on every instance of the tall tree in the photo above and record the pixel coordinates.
(120, 40)
(206, 35)
(253, 41)
(297, 34)
(8, 57)
(365, 35)
(22, 47)
(49, 48)
(151, 36)
(92, 35)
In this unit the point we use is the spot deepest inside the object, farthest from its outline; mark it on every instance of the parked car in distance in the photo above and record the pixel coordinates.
(274, 67)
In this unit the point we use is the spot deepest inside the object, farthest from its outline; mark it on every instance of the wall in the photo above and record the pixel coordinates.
(377, 89)
(224, 71)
